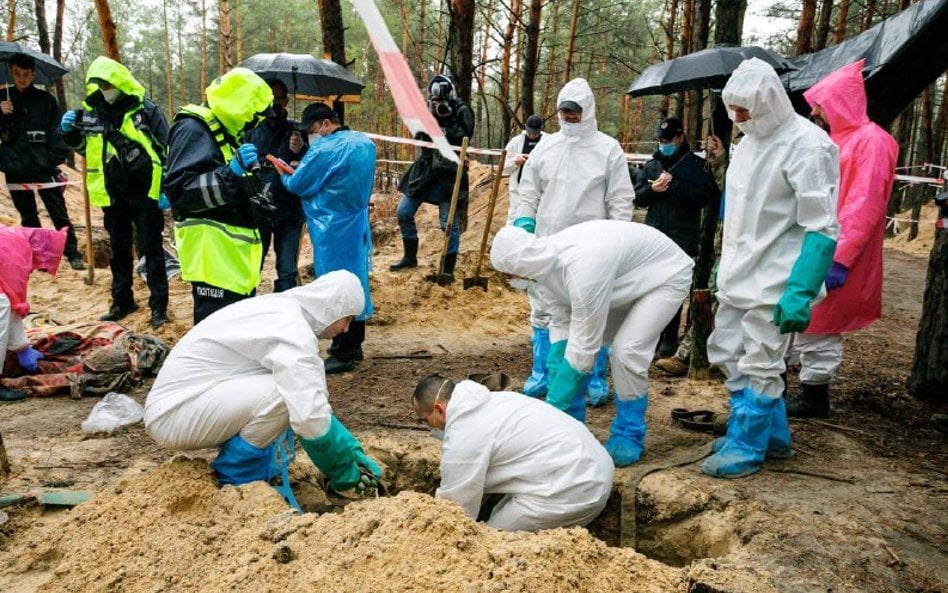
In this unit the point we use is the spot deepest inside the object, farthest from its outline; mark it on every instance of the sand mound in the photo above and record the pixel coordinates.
(173, 529)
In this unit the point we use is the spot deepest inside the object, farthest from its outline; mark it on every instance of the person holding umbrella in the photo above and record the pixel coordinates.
(31, 150)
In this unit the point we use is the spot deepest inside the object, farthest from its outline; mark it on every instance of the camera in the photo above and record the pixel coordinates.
(441, 108)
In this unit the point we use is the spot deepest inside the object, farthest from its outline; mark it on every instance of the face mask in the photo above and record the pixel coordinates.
(314, 137)
(667, 149)
(437, 433)
(749, 127)
(111, 95)
(570, 129)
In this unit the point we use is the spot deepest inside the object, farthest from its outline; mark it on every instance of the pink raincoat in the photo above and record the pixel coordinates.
(23, 250)
(867, 159)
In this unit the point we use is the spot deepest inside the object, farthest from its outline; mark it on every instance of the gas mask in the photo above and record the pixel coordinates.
(440, 108)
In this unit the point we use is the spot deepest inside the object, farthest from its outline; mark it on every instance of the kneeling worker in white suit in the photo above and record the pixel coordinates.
(606, 282)
(240, 377)
(551, 471)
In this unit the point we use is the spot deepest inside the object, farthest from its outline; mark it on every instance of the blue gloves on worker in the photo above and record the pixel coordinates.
(792, 311)
(29, 358)
(836, 276)
(69, 119)
(526, 223)
(244, 160)
(163, 202)
(339, 456)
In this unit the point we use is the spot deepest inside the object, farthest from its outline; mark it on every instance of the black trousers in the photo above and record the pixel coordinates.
(208, 299)
(670, 333)
(142, 213)
(348, 346)
(55, 202)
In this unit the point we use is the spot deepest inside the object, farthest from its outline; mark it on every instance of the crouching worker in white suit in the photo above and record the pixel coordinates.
(550, 470)
(607, 282)
(240, 377)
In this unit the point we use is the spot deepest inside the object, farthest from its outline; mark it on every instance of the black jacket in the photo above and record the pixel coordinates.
(273, 137)
(199, 183)
(30, 144)
(676, 211)
(430, 169)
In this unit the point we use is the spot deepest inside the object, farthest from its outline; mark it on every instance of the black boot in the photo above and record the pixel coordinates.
(410, 259)
(119, 312)
(813, 402)
(450, 261)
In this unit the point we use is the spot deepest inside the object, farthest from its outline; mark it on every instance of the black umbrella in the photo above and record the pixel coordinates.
(305, 75)
(47, 69)
(708, 68)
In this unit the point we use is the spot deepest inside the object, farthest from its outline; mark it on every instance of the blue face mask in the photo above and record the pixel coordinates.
(667, 149)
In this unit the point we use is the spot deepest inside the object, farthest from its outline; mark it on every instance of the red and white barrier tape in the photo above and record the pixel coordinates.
(914, 179)
(32, 186)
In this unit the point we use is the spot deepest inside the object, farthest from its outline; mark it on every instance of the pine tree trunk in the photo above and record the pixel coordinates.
(461, 51)
(179, 33)
(203, 47)
(571, 43)
(483, 109)
(669, 48)
(420, 41)
(42, 29)
(842, 13)
(929, 376)
(334, 41)
(823, 26)
(729, 21)
(868, 15)
(239, 30)
(551, 61)
(11, 20)
(107, 26)
(805, 28)
(224, 36)
(58, 56)
(504, 89)
(169, 73)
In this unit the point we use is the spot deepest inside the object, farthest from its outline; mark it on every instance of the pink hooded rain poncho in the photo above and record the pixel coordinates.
(867, 157)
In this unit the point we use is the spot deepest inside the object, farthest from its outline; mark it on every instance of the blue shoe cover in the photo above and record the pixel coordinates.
(597, 388)
(779, 444)
(536, 383)
(746, 443)
(239, 462)
(627, 434)
(577, 409)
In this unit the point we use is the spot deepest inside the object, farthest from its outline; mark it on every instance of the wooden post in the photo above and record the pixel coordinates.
(4, 460)
(700, 313)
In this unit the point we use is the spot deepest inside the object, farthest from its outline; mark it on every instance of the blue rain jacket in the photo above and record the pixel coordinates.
(335, 181)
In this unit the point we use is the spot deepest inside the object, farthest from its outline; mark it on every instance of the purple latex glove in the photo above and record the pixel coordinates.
(28, 358)
(836, 276)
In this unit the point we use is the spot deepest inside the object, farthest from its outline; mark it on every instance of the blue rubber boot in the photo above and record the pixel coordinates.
(577, 409)
(627, 434)
(779, 444)
(536, 383)
(748, 434)
(239, 462)
(597, 388)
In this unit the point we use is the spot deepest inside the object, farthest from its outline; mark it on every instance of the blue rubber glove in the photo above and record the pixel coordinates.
(246, 154)
(526, 223)
(836, 276)
(338, 455)
(565, 384)
(28, 358)
(163, 202)
(69, 118)
(792, 311)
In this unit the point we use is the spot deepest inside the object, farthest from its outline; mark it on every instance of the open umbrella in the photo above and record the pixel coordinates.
(47, 69)
(708, 68)
(305, 75)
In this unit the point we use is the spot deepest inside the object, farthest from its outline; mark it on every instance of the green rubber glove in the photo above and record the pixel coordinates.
(338, 455)
(553, 359)
(792, 312)
(526, 223)
(564, 384)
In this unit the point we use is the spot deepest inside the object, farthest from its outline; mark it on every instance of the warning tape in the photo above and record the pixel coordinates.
(32, 186)
(916, 179)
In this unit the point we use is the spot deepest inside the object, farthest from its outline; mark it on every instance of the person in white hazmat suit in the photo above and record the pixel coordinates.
(518, 151)
(244, 374)
(603, 281)
(780, 231)
(574, 175)
(549, 470)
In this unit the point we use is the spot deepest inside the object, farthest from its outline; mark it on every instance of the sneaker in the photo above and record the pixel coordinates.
(76, 262)
(335, 365)
(672, 366)
(158, 318)
(116, 313)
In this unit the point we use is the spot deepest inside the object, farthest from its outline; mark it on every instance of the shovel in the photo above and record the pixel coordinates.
(477, 279)
(90, 270)
(441, 278)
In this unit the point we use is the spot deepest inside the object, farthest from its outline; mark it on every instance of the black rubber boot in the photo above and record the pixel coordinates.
(813, 402)
(450, 261)
(410, 259)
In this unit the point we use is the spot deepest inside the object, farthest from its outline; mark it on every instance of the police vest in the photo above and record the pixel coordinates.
(222, 255)
(99, 151)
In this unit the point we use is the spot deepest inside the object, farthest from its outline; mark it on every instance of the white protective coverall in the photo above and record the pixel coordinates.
(551, 469)
(574, 175)
(605, 281)
(782, 183)
(12, 333)
(252, 368)
(513, 172)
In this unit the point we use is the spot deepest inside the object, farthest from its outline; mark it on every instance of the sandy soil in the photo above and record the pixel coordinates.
(860, 508)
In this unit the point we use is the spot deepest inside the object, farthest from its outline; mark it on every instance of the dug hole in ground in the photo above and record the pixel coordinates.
(862, 506)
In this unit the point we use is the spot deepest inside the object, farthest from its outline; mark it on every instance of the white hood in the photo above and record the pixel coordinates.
(515, 251)
(755, 86)
(578, 90)
(328, 299)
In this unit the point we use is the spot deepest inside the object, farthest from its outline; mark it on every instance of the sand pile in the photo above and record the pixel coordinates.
(174, 530)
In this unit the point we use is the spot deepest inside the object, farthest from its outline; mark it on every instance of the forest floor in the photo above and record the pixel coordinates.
(861, 507)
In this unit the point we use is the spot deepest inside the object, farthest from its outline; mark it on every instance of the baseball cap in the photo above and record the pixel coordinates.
(669, 128)
(315, 112)
(534, 124)
(569, 106)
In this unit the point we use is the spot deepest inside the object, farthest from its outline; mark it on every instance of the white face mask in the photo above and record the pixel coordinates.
(314, 137)
(749, 127)
(570, 129)
(111, 95)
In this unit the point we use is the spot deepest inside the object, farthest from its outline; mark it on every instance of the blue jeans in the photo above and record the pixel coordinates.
(408, 206)
(286, 243)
